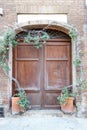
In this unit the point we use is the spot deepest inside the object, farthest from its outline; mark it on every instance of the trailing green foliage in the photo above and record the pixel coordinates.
(77, 61)
(37, 37)
(8, 38)
(73, 34)
(81, 84)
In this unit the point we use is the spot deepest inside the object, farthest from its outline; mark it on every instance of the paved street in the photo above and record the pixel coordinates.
(41, 122)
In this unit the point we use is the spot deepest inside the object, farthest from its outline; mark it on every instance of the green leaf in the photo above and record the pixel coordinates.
(77, 61)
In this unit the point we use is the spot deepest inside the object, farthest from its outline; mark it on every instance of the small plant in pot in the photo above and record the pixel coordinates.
(20, 103)
(23, 102)
(66, 100)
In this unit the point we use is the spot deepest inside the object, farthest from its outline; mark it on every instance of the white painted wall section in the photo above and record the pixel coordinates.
(34, 17)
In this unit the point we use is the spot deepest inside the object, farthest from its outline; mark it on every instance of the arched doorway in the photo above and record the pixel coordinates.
(43, 72)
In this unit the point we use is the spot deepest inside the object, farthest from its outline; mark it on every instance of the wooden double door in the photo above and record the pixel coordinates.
(43, 72)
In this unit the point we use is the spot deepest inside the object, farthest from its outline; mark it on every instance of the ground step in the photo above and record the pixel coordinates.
(41, 113)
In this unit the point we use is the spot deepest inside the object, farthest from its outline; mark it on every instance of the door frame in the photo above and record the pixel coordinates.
(42, 53)
(61, 27)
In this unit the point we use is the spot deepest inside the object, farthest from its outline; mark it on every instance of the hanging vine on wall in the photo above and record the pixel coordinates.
(73, 34)
(37, 37)
(78, 60)
(8, 38)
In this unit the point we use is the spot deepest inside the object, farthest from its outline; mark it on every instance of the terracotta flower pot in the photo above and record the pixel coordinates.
(68, 107)
(15, 107)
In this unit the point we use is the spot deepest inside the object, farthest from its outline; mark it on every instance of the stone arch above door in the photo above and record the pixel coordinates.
(43, 24)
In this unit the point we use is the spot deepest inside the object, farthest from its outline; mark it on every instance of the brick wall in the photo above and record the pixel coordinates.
(73, 8)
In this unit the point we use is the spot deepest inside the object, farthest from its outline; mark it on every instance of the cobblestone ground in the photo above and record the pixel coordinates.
(42, 122)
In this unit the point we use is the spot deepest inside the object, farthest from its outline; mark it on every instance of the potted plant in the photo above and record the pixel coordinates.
(20, 103)
(66, 100)
(15, 107)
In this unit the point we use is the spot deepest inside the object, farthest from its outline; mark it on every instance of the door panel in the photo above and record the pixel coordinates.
(50, 99)
(43, 72)
(56, 71)
(27, 51)
(28, 71)
(56, 74)
(60, 51)
(28, 74)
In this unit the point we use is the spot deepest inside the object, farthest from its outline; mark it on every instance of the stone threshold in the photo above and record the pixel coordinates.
(41, 113)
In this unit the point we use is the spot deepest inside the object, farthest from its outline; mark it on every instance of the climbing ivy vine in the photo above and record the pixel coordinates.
(37, 37)
(78, 60)
(8, 38)
(73, 34)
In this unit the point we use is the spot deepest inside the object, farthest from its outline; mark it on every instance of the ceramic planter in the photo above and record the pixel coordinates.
(68, 107)
(15, 107)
